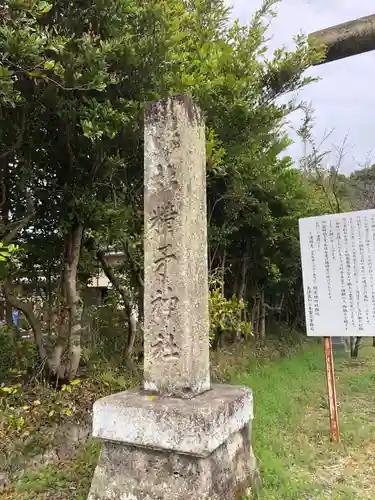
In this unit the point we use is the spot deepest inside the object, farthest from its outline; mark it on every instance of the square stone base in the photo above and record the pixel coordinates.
(131, 473)
(196, 426)
(157, 448)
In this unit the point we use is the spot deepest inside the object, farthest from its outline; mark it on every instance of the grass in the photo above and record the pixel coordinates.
(291, 427)
(290, 431)
(67, 481)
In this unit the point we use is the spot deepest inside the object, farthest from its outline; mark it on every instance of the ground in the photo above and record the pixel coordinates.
(291, 431)
(291, 427)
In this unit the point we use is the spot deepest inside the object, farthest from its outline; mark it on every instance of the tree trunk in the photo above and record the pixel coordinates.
(262, 326)
(218, 340)
(254, 318)
(73, 300)
(69, 337)
(9, 314)
(223, 261)
(5, 224)
(279, 308)
(245, 266)
(129, 308)
(243, 286)
(287, 317)
(137, 275)
(27, 309)
(354, 346)
(258, 314)
(50, 303)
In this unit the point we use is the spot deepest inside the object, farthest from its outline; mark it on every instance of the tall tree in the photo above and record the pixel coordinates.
(73, 81)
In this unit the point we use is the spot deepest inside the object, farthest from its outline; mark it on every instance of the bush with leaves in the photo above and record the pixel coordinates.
(226, 314)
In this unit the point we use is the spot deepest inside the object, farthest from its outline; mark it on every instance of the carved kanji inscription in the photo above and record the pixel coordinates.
(166, 256)
(163, 304)
(163, 217)
(165, 345)
(165, 176)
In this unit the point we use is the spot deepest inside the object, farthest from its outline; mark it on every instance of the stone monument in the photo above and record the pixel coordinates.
(178, 437)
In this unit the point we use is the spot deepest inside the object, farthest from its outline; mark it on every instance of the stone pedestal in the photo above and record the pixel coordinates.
(165, 448)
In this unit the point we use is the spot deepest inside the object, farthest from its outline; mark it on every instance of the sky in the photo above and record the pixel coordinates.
(343, 101)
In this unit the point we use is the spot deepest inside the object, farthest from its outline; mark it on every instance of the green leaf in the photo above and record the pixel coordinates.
(57, 48)
(48, 65)
(100, 86)
(44, 7)
(35, 74)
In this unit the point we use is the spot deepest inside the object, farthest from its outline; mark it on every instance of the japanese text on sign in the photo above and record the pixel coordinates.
(338, 254)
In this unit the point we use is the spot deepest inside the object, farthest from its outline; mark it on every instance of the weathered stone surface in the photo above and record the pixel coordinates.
(176, 321)
(130, 473)
(196, 426)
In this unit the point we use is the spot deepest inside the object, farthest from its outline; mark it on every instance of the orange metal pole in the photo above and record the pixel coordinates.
(331, 390)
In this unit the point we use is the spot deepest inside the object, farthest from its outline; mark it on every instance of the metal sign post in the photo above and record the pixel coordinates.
(331, 390)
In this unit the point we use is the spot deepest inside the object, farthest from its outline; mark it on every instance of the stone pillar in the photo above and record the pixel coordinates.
(176, 438)
(176, 345)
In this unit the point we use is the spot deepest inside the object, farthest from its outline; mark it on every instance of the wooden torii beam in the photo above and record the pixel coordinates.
(347, 39)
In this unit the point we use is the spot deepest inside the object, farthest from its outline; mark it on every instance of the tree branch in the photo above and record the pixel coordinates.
(135, 266)
(108, 271)
(17, 226)
(275, 308)
(27, 309)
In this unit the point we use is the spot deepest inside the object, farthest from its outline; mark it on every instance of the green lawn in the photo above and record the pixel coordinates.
(290, 433)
